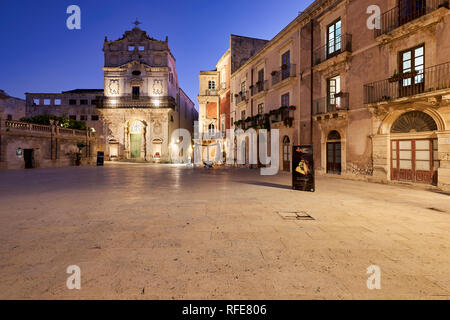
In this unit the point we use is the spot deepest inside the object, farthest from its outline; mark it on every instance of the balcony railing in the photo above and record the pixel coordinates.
(242, 96)
(341, 44)
(13, 126)
(428, 80)
(285, 72)
(127, 101)
(338, 102)
(259, 87)
(211, 92)
(406, 12)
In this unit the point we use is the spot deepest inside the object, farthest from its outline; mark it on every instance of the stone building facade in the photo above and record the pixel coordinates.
(215, 114)
(371, 97)
(140, 106)
(11, 108)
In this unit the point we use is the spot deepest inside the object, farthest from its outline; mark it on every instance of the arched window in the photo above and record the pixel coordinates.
(414, 121)
(211, 129)
(334, 135)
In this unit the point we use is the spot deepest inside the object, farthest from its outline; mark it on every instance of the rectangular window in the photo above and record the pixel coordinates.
(232, 121)
(9, 117)
(212, 85)
(57, 102)
(285, 65)
(131, 48)
(72, 102)
(285, 100)
(261, 108)
(94, 117)
(83, 117)
(260, 83)
(141, 48)
(243, 86)
(334, 38)
(73, 117)
(413, 60)
(36, 102)
(83, 102)
(136, 92)
(333, 87)
(47, 102)
(243, 115)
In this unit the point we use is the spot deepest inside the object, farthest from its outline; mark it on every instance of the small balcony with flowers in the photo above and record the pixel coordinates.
(287, 74)
(427, 86)
(259, 121)
(283, 117)
(241, 98)
(259, 88)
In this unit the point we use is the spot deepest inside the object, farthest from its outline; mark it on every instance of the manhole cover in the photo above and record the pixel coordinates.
(295, 215)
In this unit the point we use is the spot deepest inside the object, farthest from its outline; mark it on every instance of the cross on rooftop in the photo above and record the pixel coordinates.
(136, 23)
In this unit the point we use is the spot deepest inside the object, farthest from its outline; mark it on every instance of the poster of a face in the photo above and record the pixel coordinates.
(303, 168)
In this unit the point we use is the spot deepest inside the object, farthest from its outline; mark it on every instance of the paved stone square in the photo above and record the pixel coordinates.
(141, 231)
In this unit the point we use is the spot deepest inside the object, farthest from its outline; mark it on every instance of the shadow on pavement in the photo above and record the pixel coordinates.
(267, 184)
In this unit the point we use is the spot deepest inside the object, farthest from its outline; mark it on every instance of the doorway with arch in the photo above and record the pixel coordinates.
(334, 153)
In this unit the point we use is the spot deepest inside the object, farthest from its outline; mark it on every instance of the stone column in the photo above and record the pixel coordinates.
(444, 160)
(381, 158)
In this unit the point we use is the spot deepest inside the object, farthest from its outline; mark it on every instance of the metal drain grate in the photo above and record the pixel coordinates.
(295, 215)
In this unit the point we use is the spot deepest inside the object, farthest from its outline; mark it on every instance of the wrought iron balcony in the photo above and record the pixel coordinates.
(285, 72)
(242, 96)
(428, 80)
(338, 102)
(406, 12)
(333, 48)
(260, 86)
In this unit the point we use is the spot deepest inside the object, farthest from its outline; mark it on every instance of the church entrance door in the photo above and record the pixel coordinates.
(135, 144)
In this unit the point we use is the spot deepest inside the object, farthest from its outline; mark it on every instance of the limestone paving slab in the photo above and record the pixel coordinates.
(169, 232)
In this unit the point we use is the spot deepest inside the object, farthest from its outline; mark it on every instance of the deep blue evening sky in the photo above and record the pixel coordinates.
(39, 53)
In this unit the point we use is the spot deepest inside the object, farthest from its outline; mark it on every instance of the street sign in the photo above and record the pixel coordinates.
(303, 168)
(100, 158)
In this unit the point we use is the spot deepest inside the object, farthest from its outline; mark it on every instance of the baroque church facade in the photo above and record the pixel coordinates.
(140, 106)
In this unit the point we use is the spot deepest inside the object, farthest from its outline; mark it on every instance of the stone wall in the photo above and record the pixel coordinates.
(51, 146)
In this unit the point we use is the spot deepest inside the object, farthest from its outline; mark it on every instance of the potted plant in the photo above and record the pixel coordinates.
(410, 74)
(292, 108)
(80, 146)
(157, 155)
(396, 77)
(284, 66)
